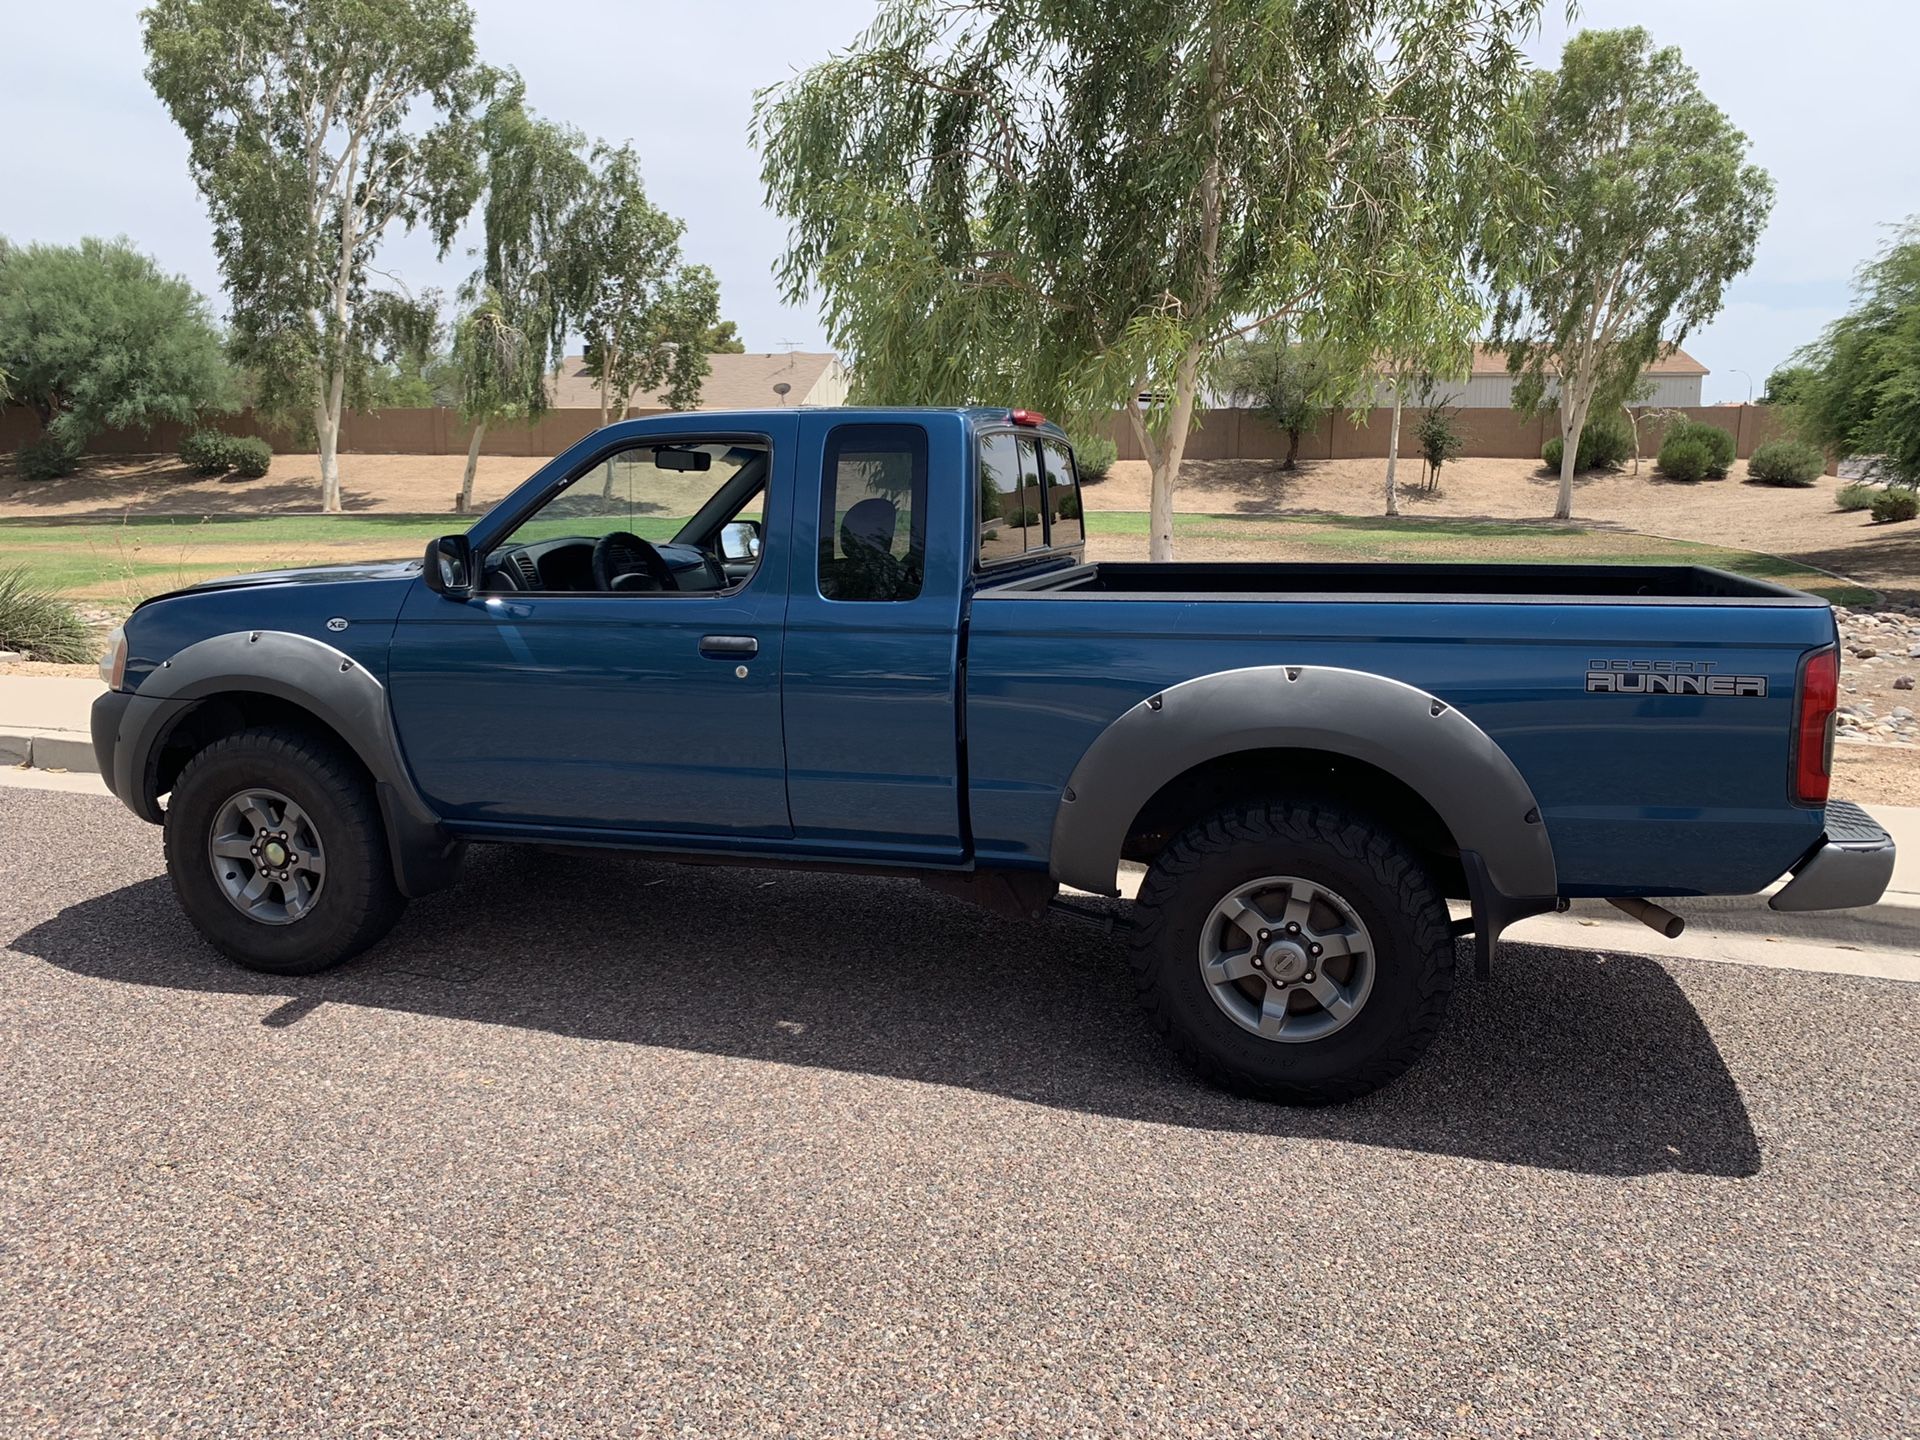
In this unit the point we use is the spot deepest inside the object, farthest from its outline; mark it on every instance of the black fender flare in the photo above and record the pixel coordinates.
(327, 683)
(1419, 739)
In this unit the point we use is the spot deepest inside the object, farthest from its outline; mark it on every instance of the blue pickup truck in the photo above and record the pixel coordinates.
(871, 640)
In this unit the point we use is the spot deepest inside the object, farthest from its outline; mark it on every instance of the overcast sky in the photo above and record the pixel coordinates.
(1825, 92)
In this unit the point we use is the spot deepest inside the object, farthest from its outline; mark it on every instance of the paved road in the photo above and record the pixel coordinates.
(598, 1147)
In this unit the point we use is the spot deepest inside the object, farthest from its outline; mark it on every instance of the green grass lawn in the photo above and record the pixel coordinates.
(117, 563)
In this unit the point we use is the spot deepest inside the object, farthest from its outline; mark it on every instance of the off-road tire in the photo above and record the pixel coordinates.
(359, 901)
(1384, 881)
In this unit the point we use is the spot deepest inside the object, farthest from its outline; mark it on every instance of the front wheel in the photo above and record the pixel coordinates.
(1293, 952)
(277, 854)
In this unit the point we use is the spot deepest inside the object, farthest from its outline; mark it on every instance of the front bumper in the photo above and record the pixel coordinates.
(1851, 866)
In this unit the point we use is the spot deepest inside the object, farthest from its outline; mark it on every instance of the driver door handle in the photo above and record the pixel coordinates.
(728, 647)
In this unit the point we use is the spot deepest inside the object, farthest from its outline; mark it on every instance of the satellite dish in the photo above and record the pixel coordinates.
(781, 390)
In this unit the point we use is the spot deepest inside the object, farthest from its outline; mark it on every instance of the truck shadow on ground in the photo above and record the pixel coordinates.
(1593, 1065)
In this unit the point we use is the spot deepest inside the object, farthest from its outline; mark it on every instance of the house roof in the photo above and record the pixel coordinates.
(1672, 361)
(735, 382)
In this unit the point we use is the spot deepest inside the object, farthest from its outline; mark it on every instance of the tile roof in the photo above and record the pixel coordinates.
(735, 382)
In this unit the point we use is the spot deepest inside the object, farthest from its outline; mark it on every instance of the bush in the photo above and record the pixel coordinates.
(1093, 458)
(1720, 448)
(40, 624)
(1604, 445)
(252, 457)
(1685, 458)
(1855, 497)
(1788, 462)
(1895, 505)
(48, 458)
(209, 452)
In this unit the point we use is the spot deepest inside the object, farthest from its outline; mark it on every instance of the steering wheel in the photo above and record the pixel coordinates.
(623, 561)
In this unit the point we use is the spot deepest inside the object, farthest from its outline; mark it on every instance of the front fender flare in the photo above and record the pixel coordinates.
(329, 684)
(1419, 739)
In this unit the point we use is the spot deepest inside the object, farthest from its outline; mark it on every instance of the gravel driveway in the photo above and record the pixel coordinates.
(596, 1147)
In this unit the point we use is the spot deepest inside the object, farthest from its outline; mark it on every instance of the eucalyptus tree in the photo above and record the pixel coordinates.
(1655, 209)
(644, 313)
(520, 307)
(1289, 381)
(1078, 204)
(315, 128)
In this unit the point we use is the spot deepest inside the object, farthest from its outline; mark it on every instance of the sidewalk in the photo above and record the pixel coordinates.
(44, 722)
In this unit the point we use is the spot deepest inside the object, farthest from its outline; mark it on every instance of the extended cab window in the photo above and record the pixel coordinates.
(1009, 513)
(1064, 524)
(873, 509)
(669, 516)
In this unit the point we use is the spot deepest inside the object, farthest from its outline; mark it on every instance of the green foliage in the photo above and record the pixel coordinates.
(724, 339)
(214, 452)
(96, 335)
(1074, 205)
(1718, 443)
(1853, 497)
(1788, 462)
(1685, 457)
(1093, 457)
(1439, 439)
(1787, 384)
(1654, 211)
(1861, 391)
(1290, 384)
(644, 313)
(48, 458)
(1605, 444)
(1891, 505)
(252, 457)
(313, 131)
(39, 624)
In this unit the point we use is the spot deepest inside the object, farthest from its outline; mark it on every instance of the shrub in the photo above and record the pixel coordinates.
(209, 452)
(1093, 458)
(1788, 462)
(1895, 505)
(40, 624)
(1711, 441)
(1604, 445)
(252, 457)
(1855, 497)
(1720, 448)
(1685, 458)
(48, 458)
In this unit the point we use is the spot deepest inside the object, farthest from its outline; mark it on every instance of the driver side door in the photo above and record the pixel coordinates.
(547, 702)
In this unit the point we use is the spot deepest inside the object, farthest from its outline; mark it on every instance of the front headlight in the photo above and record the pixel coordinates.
(113, 664)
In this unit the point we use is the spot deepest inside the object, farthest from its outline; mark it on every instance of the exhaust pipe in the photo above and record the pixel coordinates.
(1654, 917)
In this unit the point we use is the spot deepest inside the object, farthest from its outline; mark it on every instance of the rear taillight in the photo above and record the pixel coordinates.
(1819, 694)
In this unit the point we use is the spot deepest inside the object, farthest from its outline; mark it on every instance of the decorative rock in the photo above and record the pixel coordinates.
(7, 657)
(1902, 713)
(1863, 652)
(1903, 682)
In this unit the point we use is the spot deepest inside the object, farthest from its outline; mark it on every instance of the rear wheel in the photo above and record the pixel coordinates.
(277, 854)
(1293, 952)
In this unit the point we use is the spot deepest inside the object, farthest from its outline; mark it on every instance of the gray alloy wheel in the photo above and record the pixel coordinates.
(1286, 959)
(266, 856)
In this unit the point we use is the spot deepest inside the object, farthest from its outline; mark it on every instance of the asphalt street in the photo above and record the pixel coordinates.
(602, 1147)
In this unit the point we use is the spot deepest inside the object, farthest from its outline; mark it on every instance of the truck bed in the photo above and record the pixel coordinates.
(1403, 583)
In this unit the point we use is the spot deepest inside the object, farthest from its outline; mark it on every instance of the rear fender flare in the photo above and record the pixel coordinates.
(1416, 737)
(327, 683)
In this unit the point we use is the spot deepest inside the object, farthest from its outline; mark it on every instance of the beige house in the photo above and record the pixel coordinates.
(735, 382)
(1676, 377)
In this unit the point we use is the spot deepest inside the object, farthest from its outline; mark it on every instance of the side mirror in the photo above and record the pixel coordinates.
(449, 567)
(740, 540)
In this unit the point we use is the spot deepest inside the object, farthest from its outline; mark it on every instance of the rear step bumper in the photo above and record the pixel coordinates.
(1851, 866)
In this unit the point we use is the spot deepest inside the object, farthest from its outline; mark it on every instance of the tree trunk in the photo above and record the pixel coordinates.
(609, 360)
(326, 424)
(1573, 420)
(1393, 453)
(1166, 471)
(465, 502)
(1293, 450)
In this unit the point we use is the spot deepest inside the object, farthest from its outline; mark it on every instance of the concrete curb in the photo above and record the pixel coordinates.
(48, 750)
